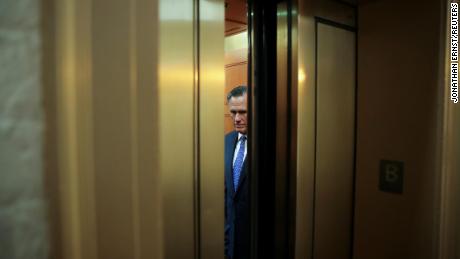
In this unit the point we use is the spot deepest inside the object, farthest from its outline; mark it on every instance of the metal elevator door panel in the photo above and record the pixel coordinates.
(335, 138)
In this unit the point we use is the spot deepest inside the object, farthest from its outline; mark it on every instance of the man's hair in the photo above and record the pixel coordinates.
(237, 92)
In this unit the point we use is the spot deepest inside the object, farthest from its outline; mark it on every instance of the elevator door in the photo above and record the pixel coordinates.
(335, 140)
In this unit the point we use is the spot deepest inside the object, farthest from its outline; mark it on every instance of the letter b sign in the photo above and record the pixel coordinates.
(391, 176)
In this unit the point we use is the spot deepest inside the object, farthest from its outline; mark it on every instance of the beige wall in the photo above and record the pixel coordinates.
(236, 73)
(398, 119)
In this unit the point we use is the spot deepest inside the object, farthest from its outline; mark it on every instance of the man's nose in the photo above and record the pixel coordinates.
(237, 117)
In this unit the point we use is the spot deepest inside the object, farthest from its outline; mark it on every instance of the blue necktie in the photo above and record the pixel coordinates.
(238, 163)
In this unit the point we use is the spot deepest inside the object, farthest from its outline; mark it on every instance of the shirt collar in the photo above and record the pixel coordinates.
(240, 135)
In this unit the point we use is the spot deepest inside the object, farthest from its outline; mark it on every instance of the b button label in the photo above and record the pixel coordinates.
(391, 176)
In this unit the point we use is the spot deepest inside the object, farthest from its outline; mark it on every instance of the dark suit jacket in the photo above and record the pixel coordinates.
(236, 204)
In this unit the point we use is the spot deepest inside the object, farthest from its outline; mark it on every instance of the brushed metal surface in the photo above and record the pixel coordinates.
(128, 97)
(176, 126)
(334, 141)
(109, 204)
(112, 129)
(76, 222)
(211, 128)
(304, 69)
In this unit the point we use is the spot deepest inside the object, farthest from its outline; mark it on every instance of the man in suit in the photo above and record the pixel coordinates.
(236, 179)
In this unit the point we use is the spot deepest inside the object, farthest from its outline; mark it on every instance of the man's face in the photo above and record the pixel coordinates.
(238, 110)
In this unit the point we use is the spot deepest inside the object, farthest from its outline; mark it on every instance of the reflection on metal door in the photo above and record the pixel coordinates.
(138, 88)
(335, 131)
